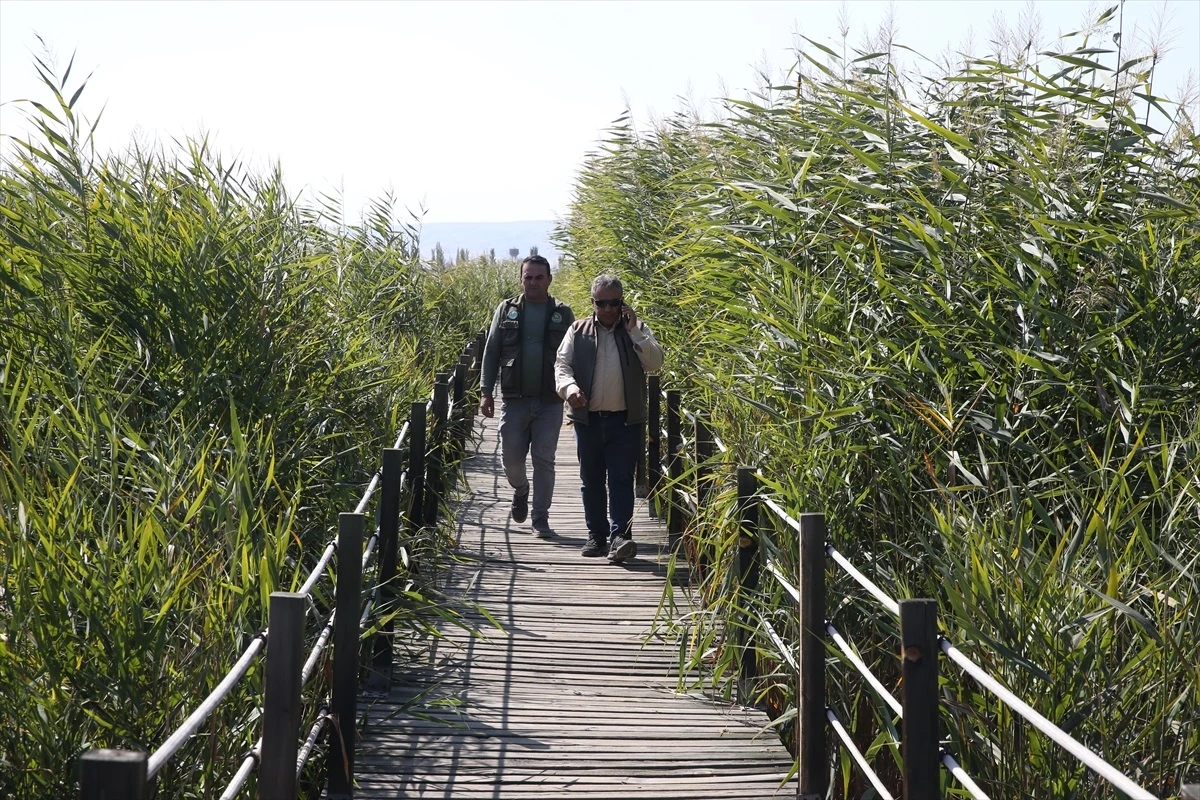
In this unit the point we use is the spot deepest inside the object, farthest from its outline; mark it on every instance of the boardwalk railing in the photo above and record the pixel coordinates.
(668, 474)
(412, 482)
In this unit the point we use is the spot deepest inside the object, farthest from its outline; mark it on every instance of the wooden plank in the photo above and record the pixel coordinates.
(575, 694)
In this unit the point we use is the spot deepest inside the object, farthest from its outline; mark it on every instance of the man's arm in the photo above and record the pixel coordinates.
(564, 371)
(649, 351)
(490, 365)
(491, 356)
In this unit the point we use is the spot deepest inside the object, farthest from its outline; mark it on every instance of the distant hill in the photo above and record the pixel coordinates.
(480, 237)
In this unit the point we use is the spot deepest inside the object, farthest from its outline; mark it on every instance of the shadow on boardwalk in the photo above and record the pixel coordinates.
(571, 697)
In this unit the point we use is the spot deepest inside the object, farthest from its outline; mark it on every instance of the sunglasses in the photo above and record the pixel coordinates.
(608, 303)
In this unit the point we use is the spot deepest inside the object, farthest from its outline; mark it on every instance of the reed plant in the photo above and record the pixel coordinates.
(958, 314)
(197, 373)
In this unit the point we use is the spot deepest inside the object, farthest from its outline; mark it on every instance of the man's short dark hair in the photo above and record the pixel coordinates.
(539, 260)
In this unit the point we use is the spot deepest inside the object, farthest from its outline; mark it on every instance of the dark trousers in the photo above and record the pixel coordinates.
(607, 450)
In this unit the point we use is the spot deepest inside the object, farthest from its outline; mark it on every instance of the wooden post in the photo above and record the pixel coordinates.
(282, 704)
(458, 379)
(115, 775)
(654, 444)
(675, 523)
(466, 414)
(704, 452)
(436, 448)
(456, 434)
(747, 564)
(344, 685)
(812, 767)
(472, 354)
(416, 465)
(640, 486)
(480, 343)
(919, 696)
(379, 679)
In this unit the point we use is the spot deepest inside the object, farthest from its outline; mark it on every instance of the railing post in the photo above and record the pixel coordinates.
(640, 485)
(654, 444)
(458, 387)
(480, 343)
(747, 565)
(436, 449)
(344, 688)
(704, 452)
(675, 523)
(282, 705)
(477, 358)
(463, 416)
(379, 680)
(812, 770)
(919, 695)
(458, 381)
(114, 775)
(416, 465)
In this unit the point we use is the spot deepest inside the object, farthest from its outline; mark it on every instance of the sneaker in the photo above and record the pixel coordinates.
(542, 529)
(595, 548)
(520, 506)
(622, 548)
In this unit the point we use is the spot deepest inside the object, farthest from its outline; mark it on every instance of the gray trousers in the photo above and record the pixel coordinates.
(529, 426)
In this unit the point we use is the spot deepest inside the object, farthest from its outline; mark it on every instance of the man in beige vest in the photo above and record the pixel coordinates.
(601, 371)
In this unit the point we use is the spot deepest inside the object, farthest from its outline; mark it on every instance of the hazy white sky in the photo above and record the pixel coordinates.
(480, 111)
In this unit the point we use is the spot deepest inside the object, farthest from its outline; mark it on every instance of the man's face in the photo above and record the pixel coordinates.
(535, 282)
(607, 304)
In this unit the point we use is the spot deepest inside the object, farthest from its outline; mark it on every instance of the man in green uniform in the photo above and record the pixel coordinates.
(521, 345)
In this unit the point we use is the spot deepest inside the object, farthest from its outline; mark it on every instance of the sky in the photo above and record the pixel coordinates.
(464, 111)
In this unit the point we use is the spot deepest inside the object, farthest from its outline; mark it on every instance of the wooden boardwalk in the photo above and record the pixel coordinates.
(572, 697)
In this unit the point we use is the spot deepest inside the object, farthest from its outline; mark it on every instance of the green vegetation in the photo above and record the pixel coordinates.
(959, 316)
(196, 374)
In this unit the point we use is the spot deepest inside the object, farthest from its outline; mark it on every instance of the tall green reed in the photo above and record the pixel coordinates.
(197, 374)
(958, 315)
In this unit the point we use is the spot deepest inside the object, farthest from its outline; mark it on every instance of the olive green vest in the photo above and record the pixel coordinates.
(558, 319)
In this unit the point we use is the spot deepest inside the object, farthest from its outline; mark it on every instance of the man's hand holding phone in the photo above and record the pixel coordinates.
(628, 318)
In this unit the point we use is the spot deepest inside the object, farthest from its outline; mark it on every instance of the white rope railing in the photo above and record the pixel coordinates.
(249, 764)
(863, 670)
(784, 651)
(176, 740)
(310, 742)
(1064, 739)
(777, 573)
(962, 777)
(887, 602)
(858, 757)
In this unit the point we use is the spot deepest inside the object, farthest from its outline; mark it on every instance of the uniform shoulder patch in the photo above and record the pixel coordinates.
(512, 313)
(557, 317)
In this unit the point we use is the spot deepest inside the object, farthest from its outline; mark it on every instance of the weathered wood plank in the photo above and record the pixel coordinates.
(575, 694)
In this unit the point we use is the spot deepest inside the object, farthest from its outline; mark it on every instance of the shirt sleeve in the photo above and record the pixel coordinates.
(564, 370)
(491, 356)
(649, 351)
